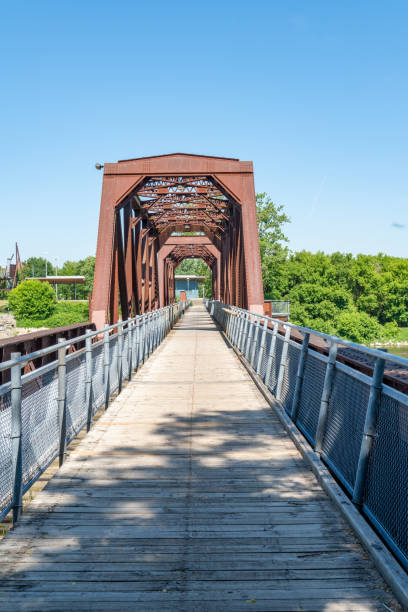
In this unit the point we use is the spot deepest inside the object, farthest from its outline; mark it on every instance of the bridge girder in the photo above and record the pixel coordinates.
(208, 201)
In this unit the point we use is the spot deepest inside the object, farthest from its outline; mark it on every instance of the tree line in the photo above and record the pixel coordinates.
(363, 298)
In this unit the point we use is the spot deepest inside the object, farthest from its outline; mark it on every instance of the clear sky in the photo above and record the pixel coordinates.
(314, 92)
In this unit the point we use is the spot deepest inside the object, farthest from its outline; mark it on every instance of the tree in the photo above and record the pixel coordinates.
(37, 266)
(271, 219)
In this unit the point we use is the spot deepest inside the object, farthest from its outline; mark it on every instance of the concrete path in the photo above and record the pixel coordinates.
(187, 495)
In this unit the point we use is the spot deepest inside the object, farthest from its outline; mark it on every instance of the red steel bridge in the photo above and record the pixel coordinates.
(157, 211)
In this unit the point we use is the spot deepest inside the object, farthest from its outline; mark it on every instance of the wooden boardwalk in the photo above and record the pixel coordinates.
(187, 495)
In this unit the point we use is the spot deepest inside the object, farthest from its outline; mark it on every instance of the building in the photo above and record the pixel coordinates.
(189, 284)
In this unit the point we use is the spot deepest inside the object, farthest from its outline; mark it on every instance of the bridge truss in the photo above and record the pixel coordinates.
(157, 211)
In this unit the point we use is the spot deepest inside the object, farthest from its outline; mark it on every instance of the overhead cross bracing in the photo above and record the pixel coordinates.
(184, 201)
(207, 203)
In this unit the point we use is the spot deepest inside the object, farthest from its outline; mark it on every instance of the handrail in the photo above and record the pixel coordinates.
(331, 338)
(24, 359)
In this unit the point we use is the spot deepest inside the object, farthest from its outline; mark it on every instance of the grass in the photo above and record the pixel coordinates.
(402, 335)
(65, 313)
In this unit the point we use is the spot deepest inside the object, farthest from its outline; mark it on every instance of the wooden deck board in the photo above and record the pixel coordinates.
(187, 495)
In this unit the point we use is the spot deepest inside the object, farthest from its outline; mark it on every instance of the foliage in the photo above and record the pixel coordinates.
(84, 267)
(37, 266)
(33, 299)
(271, 218)
(66, 313)
(363, 298)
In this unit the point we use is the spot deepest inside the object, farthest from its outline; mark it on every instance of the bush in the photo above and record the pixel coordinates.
(66, 313)
(32, 299)
(358, 327)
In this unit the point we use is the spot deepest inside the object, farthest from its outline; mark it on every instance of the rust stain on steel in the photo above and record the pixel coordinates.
(208, 201)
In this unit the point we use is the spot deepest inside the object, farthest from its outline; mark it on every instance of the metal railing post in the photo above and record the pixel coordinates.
(244, 338)
(153, 332)
(146, 352)
(283, 362)
(255, 341)
(262, 346)
(271, 354)
(120, 355)
(299, 378)
(62, 401)
(149, 334)
(16, 438)
(324, 404)
(234, 327)
(228, 324)
(239, 330)
(88, 378)
(106, 365)
(130, 347)
(369, 434)
(137, 342)
(249, 337)
(144, 333)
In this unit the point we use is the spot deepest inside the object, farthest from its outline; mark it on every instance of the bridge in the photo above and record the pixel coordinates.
(198, 457)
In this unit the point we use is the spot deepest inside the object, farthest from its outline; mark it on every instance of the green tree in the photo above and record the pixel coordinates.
(271, 218)
(37, 266)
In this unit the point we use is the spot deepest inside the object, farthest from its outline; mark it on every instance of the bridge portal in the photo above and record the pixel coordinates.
(157, 211)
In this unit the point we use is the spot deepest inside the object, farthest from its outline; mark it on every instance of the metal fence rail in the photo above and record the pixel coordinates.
(41, 412)
(356, 423)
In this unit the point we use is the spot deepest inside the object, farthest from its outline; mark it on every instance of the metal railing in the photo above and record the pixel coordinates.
(41, 412)
(357, 424)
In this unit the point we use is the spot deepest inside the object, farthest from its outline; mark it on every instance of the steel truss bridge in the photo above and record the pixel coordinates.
(198, 456)
(157, 211)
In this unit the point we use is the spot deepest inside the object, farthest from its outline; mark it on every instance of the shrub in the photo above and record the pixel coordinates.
(358, 327)
(65, 313)
(32, 299)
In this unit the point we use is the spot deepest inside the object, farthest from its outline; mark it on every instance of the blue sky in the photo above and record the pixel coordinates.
(315, 93)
